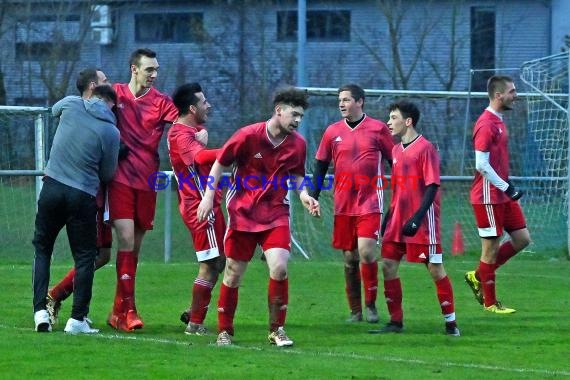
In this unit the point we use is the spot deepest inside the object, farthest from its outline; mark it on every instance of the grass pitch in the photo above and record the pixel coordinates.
(530, 344)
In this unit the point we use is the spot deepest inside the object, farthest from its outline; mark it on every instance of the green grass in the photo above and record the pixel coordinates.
(530, 344)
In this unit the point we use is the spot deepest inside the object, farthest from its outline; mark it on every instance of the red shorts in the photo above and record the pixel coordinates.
(240, 245)
(493, 219)
(415, 253)
(347, 229)
(209, 242)
(126, 202)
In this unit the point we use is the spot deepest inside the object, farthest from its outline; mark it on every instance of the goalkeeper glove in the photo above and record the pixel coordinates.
(513, 193)
(411, 227)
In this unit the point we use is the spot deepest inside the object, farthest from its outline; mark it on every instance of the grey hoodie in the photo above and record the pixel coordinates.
(86, 144)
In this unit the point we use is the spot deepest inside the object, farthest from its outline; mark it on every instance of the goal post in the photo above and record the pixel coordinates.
(447, 120)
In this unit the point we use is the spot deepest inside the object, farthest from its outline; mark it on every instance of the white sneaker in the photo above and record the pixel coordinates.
(280, 338)
(74, 327)
(41, 319)
(224, 339)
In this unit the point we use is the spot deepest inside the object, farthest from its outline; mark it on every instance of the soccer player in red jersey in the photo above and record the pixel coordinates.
(268, 159)
(493, 196)
(87, 80)
(192, 162)
(357, 144)
(411, 227)
(142, 114)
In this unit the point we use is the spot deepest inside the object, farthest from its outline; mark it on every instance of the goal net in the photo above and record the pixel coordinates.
(538, 138)
(21, 128)
(548, 127)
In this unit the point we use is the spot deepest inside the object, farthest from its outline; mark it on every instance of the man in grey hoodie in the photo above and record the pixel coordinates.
(84, 153)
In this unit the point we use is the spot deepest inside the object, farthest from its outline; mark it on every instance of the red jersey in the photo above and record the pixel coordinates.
(192, 178)
(490, 135)
(141, 121)
(257, 199)
(414, 168)
(357, 155)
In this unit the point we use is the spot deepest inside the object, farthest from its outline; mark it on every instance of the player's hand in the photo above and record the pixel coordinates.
(310, 204)
(411, 227)
(513, 193)
(205, 207)
(202, 137)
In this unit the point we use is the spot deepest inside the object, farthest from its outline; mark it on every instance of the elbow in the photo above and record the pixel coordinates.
(480, 167)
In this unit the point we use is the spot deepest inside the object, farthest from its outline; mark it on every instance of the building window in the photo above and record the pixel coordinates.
(325, 26)
(169, 27)
(47, 37)
(482, 45)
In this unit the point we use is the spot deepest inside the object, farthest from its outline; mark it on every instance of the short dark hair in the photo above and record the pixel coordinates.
(137, 54)
(105, 92)
(497, 83)
(407, 109)
(85, 77)
(292, 97)
(185, 96)
(355, 91)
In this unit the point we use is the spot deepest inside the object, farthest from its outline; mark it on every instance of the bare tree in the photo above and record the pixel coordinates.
(48, 44)
(246, 66)
(447, 71)
(400, 29)
(6, 24)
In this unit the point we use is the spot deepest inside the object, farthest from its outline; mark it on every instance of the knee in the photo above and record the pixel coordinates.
(232, 276)
(521, 242)
(125, 238)
(210, 270)
(389, 269)
(437, 271)
(278, 272)
(351, 259)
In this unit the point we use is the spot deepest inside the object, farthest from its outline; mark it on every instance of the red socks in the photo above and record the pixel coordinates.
(277, 300)
(506, 251)
(369, 273)
(393, 294)
(227, 304)
(126, 272)
(486, 274)
(352, 286)
(65, 287)
(201, 296)
(445, 296)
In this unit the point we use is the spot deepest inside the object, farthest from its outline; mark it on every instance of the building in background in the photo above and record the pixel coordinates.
(244, 49)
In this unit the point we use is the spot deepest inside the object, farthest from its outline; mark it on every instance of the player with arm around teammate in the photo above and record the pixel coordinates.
(412, 227)
(191, 162)
(83, 154)
(142, 113)
(265, 155)
(87, 82)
